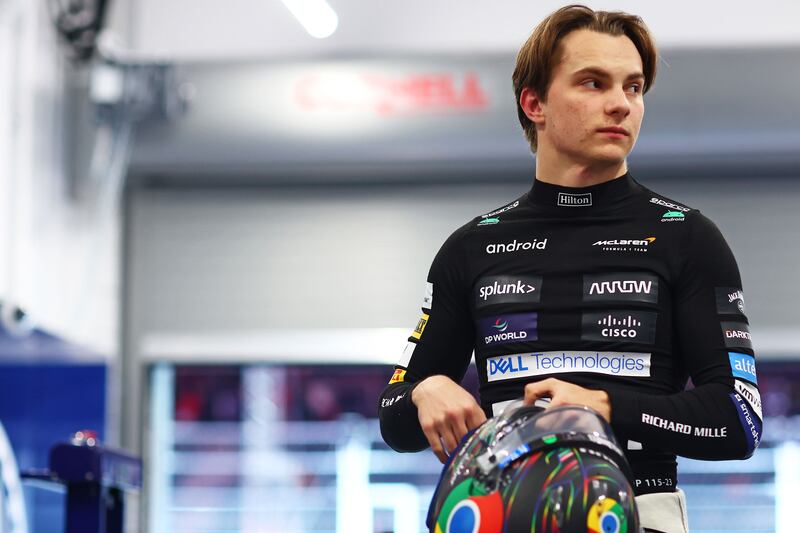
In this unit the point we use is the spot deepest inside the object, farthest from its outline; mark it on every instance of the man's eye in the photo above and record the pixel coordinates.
(592, 84)
(635, 88)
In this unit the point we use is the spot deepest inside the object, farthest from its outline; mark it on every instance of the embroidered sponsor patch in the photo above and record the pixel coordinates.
(520, 327)
(620, 287)
(508, 289)
(427, 298)
(750, 422)
(408, 351)
(542, 363)
(423, 321)
(743, 366)
(730, 301)
(751, 395)
(398, 376)
(624, 326)
(737, 335)
(566, 199)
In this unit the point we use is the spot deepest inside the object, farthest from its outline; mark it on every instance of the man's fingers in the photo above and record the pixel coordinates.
(475, 418)
(436, 447)
(459, 430)
(450, 441)
(534, 391)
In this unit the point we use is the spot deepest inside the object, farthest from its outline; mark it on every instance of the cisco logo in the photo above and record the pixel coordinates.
(630, 326)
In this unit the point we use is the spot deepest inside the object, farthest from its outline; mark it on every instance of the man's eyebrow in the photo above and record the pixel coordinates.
(600, 73)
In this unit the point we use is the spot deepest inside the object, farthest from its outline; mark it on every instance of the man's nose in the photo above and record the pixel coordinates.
(617, 103)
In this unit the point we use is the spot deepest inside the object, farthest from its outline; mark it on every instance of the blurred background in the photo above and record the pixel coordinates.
(216, 219)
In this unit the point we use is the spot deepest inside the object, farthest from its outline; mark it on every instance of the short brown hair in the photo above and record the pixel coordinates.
(538, 56)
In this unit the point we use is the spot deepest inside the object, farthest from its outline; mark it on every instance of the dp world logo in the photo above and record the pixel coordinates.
(500, 326)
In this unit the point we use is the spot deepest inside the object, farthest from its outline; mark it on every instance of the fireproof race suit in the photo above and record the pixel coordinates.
(610, 287)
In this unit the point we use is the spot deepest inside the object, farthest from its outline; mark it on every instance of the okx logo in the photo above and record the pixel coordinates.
(626, 326)
(519, 327)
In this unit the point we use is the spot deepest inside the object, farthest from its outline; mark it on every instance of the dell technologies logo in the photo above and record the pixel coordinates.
(574, 200)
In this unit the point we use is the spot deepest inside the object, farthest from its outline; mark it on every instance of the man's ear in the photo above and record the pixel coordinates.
(531, 105)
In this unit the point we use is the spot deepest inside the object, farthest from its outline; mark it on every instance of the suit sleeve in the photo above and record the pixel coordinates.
(441, 343)
(720, 418)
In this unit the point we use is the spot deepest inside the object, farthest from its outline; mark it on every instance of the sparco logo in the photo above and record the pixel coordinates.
(507, 289)
(622, 286)
(659, 201)
(515, 246)
(574, 200)
(501, 210)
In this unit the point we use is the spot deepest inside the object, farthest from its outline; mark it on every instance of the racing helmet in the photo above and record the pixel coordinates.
(538, 471)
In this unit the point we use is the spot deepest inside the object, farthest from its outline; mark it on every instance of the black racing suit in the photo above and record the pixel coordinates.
(610, 287)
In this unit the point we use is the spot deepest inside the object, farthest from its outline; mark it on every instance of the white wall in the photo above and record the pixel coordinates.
(58, 256)
(206, 29)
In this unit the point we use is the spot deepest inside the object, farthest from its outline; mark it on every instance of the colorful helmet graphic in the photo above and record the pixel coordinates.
(530, 470)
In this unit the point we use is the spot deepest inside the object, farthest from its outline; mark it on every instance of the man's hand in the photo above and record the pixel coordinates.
(446, 413)
(563, 393)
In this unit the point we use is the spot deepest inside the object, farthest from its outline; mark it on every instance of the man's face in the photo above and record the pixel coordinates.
(594, 106)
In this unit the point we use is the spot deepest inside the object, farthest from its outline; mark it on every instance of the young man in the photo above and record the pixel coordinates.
(589, 289)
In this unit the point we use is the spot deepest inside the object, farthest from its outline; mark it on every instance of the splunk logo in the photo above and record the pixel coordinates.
(627, 326)
(541, 363)
(507, 289)
(518, 327)
(634, 287)
(515, 246)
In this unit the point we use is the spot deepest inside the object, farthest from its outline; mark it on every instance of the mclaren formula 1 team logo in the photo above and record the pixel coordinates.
(625, 245)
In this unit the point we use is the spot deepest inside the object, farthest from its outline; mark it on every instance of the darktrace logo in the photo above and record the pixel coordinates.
(625, 245)
(515, 246)
(626, 326)
(574, 200)
(634, 287)
(730, 300)
(737, 335)
(508, 289)
(519, 327)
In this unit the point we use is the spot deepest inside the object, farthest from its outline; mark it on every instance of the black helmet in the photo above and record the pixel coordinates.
(538, 471)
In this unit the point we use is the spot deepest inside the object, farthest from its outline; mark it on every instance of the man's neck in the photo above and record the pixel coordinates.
(578, 174)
